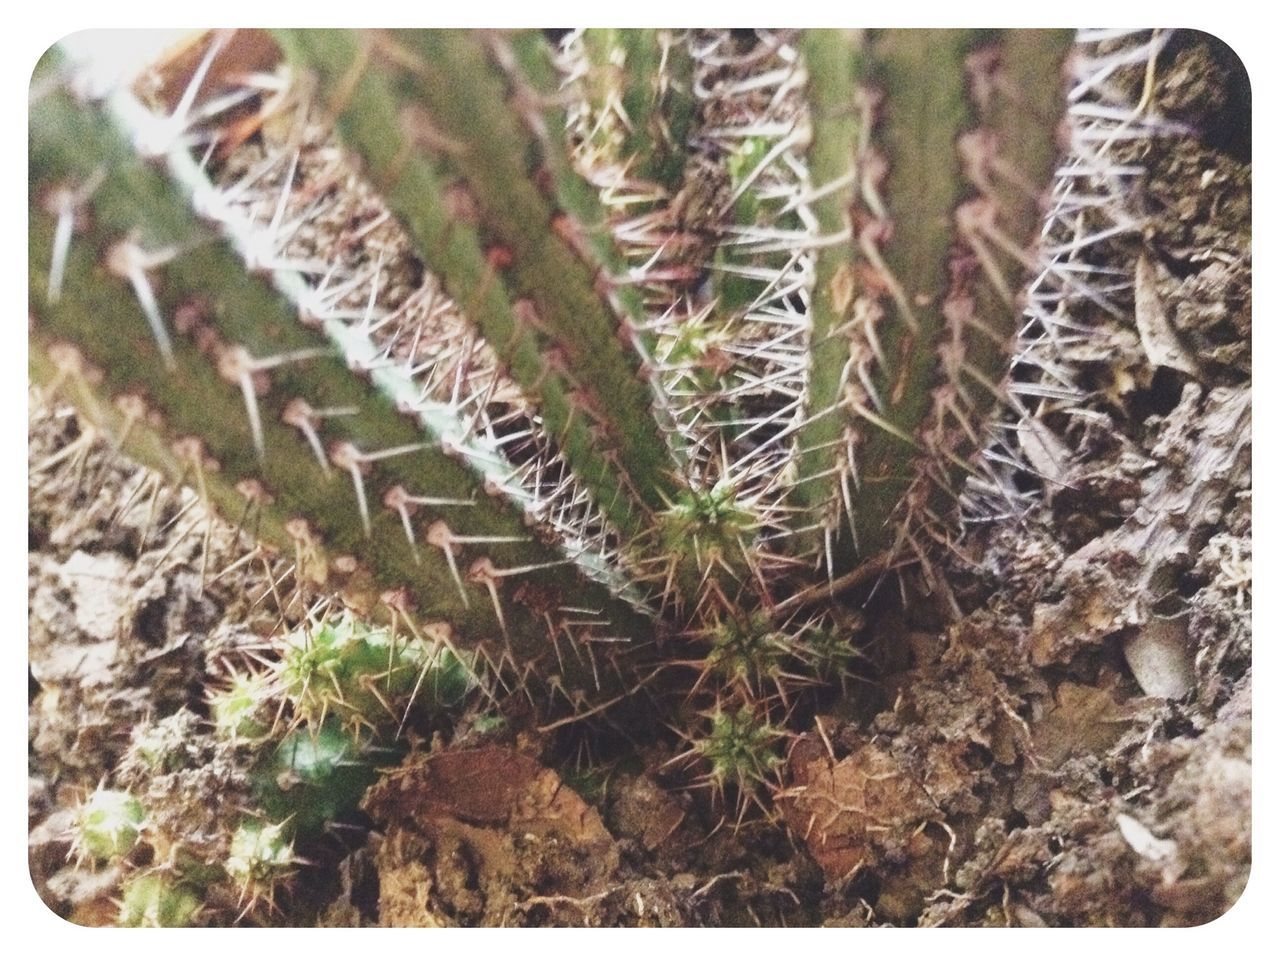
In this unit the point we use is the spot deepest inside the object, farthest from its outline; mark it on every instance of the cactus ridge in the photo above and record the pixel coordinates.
(622, 366)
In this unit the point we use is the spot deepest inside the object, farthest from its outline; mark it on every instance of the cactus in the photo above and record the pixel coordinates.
(364, 676)
(739, 753)
(313, 775)
(152, 899)
(107, 825)
(260, 860)
(606, 369)
(221, 811)
(240, 710)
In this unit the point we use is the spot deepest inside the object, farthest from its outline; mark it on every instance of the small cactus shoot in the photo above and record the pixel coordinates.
(158, 900)
(108, 825)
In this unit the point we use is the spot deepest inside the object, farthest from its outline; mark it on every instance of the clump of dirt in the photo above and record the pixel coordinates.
(1204, 243)
(190, 783)
(487, 836)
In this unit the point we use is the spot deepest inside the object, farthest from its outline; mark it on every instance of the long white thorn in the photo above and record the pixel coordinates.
(66, 204)
(129, 262)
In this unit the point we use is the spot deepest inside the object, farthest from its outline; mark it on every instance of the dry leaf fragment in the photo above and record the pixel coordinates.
(1045, 452)
(1159, 340)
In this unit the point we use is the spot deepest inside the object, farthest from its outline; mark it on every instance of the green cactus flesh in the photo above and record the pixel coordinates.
(315, 774)
(108, 824)
(157, 900)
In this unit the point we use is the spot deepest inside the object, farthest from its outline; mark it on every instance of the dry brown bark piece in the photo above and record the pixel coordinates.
(1114, 580)
(850, 812)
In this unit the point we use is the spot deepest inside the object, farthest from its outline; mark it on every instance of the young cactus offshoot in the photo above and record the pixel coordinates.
(367, 677)
(260, 862)
(157, 899)
(315, 774)
(555, 352)
(107, 825)
(739, 754)
(241, 711)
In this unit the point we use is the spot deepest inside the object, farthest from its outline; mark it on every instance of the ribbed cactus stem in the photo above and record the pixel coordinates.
(226, 414)
(946, 205)
(823, 477)
(486, 148)
(907, 244)
(642, 80)
(416, 191)
(541, 93)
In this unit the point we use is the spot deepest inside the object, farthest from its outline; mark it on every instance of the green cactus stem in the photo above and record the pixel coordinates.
(487, 153)
(239, 364)
(315, 774)
(107, 825)
(955, 127)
